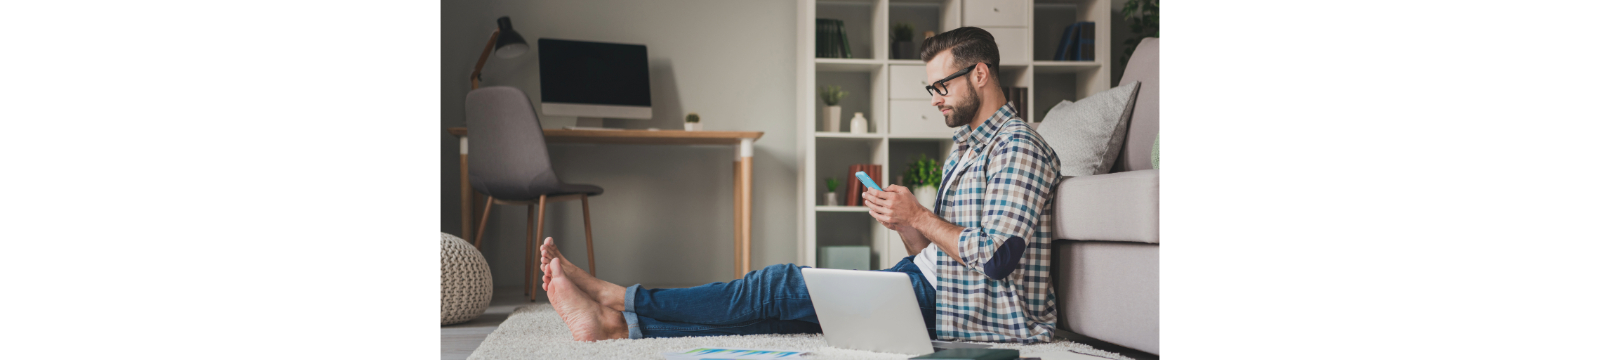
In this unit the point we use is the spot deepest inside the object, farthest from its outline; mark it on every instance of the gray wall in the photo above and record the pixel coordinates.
(666, 215)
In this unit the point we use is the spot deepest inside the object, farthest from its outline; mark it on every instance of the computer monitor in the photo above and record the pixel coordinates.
(593, 80)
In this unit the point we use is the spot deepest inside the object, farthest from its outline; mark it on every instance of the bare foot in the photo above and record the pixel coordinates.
(606, 293)
(588, 320)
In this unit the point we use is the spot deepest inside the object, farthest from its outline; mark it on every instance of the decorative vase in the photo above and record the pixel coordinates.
(858, 124)
(904, 49)
(927, 195)
(831, 119)
(831, 199)
(689, 126)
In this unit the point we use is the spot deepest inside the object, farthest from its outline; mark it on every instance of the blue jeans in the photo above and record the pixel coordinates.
(773, 300)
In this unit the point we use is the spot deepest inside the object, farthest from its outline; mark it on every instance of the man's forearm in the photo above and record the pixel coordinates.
(913, 240)
(941, 233)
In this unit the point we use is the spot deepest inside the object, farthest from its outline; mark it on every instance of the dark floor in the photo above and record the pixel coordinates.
(1136, 354)
(456, 342)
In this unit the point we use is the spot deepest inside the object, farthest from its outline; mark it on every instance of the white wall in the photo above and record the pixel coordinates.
(666, 215)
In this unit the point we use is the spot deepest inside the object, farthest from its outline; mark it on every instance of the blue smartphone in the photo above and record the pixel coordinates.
(867, 180)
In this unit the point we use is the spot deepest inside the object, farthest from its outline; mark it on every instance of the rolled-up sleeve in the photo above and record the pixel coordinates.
(1019, 178)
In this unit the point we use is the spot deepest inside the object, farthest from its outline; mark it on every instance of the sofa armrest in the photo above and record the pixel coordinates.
(1123, 206)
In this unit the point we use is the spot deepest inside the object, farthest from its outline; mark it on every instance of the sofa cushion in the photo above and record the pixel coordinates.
(1121, 206)
(1144, 67)
(1087, 135)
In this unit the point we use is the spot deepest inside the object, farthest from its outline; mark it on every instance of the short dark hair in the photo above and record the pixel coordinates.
(968, 45)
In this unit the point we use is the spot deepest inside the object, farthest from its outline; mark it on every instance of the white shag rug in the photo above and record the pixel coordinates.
(534, 331)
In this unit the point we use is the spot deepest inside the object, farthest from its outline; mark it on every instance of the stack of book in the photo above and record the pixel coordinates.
(1018, 97)
(1077, 42)
(831, 40)
(853, 190)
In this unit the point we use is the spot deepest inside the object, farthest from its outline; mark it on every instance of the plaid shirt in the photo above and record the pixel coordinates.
(1003, 198)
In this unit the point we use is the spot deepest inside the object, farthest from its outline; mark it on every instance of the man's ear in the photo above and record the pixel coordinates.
(982, 74)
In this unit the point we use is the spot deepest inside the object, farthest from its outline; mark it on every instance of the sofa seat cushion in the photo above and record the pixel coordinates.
(1121, 206)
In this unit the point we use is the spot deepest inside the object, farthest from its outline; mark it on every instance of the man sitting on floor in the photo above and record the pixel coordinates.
(986, 278)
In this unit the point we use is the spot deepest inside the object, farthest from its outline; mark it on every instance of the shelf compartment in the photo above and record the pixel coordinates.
(861, 21)
(1054, 87)
(923, 15)
(863, 88)
(834, 157)
(903, 151)
(850, 228)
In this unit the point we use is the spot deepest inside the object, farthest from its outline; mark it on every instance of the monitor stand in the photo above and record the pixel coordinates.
(590, 123)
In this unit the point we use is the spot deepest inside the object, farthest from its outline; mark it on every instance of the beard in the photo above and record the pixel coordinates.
(963, 112)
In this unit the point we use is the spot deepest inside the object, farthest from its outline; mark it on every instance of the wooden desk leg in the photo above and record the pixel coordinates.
(742, 209)
(744, 214)
(738, 271)
(466, 195)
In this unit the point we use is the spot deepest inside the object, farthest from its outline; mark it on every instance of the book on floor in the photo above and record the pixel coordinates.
(972, 354)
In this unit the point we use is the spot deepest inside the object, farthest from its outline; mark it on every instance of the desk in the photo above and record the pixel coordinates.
(743, 140)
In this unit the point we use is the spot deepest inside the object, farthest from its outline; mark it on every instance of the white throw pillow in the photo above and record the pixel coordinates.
(1087, 135)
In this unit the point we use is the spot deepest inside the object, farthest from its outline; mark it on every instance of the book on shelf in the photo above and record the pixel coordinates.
(1077, 42)
(1064, 49)
(854, 189)
(831, 39)
(1084, 48)
(823, 39)
(844, 41)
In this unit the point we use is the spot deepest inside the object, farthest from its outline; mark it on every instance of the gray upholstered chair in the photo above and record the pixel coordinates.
(1108, 229)
(511, 165)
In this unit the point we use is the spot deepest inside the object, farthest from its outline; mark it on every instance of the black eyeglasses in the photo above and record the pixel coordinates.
(941, 89)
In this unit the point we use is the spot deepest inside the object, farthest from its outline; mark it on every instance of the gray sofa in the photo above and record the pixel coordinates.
(1106, 264)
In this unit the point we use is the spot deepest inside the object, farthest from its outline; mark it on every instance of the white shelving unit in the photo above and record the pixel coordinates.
(1027, 31)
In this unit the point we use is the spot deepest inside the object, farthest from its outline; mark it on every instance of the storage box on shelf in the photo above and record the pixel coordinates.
(890, 93)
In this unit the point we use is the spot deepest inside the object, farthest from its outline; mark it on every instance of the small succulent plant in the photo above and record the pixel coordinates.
(692, 118)
(832, 94)
(833, 183)
(902, 31)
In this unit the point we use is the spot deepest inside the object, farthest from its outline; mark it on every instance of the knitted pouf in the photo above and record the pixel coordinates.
(464, 282)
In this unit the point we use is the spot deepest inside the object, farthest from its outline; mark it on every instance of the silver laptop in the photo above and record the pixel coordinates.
(871, 310)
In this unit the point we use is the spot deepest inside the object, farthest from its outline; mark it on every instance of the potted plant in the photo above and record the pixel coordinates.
(691, 122)
(923, 176)
(830, 97)
(901, 38)
(1144, 20)
(832, 199)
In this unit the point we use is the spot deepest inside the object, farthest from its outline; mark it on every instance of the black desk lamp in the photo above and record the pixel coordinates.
(504, 42)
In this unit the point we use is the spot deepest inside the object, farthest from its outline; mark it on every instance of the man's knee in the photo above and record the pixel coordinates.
(776, 272)
(781, 267)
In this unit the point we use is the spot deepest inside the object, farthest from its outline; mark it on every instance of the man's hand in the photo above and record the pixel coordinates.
(895, 207)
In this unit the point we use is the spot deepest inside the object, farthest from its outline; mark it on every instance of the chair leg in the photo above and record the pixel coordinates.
(588, 236)
(534, 231)
(477, 240)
